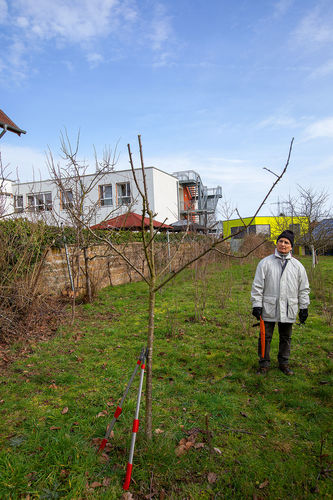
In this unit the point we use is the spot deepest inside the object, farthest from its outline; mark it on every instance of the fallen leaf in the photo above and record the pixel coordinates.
(159, 431)
(103, 458)
(264, 484)
(54, 428)
(244, 414)
(53, 386)
(182, 441)
(127, 496)
(212, 477)
(64, 473)
(218, 451)
(95, 484)
(199, 445)
(102, 414)
(2, 401)
(107, 481)
(64, 411)
(192, 438)
(189, 444)
(180, 450)
(96, 442)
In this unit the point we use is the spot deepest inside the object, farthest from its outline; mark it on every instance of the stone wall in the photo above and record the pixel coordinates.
(105, 266)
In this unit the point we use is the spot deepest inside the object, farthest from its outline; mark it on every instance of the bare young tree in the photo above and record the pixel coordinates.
(156, 276)
(75, 188)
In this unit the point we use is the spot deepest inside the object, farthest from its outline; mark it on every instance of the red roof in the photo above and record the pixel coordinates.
(129, 221)
(5, 121)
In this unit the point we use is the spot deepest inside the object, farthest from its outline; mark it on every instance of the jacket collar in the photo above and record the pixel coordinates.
(279, 256)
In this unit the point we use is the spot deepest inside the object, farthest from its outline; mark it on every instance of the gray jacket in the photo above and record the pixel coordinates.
(280, 292)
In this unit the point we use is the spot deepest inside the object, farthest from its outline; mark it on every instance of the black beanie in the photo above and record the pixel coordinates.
(287, 234)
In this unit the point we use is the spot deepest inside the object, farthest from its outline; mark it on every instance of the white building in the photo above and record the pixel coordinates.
(106, 195)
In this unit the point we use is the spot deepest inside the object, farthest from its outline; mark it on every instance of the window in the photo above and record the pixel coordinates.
(235, 230)
(124, 193)
(253, 229)
(18, 203)
(105, 195)
(263, 229)
(39, 202)
(66, 199)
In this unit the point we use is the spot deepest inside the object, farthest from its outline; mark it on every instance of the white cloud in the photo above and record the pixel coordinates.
(315, 29)
(160, 27)
(323, 70)
(74, 21)
(94, 59)
(281, 7)
(278, 121)
(34, 23)
(3, 10)
(320, 128)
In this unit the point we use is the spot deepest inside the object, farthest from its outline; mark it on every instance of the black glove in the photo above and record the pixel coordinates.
(256, 312)
(303, 314)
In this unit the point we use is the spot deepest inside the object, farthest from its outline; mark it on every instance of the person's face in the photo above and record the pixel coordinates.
(283, 246)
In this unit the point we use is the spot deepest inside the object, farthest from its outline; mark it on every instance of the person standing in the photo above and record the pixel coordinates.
(280, 288)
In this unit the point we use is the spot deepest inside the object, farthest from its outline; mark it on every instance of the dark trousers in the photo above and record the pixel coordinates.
(285, 330)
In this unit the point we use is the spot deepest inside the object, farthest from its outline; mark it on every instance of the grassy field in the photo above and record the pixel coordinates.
(220, 430)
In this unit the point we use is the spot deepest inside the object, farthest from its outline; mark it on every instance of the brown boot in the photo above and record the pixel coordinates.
(286, 370)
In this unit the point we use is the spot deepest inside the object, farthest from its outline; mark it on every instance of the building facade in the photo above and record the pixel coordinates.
(102, 196)
(269, 226)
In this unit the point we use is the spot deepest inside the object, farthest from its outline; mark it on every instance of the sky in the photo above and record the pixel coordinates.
(216, 86)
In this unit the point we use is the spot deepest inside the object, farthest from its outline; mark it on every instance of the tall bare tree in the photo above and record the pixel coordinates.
(156, 276)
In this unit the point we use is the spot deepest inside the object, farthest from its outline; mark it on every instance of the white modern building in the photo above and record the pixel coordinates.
(105, 195)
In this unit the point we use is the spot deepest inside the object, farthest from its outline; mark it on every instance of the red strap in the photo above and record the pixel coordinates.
(143, 367)
(135, 425)
(117, 412)
(138, 362)
(128, 476)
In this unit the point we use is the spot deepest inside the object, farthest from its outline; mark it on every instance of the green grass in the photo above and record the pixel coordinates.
(273, 432)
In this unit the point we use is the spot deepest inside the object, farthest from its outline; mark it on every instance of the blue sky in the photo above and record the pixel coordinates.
(217, 86)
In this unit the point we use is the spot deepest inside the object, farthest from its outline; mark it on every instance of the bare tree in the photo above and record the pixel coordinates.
(305, 215)
(156, 276)
(75, 187)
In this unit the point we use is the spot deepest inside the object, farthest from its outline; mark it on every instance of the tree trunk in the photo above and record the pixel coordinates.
(86, 272)
(149, 371)
(313, 253)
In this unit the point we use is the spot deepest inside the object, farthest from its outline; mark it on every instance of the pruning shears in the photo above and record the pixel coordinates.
(262, 335)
